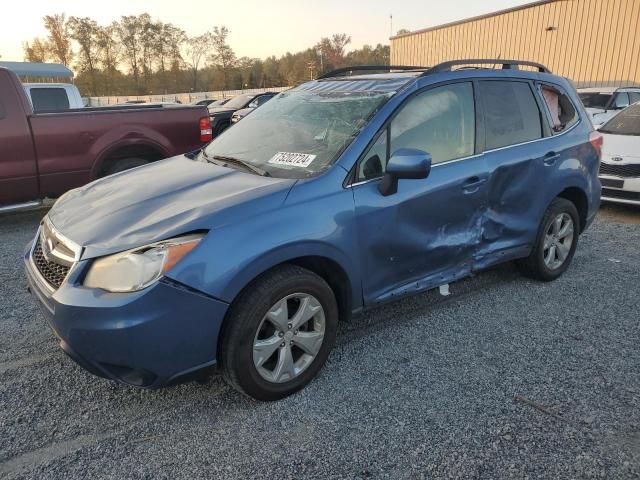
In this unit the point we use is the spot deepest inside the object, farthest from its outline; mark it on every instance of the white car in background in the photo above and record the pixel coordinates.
(620, 167)
(604, 103)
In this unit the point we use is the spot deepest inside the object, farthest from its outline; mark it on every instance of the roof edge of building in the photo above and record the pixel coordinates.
(479, 17)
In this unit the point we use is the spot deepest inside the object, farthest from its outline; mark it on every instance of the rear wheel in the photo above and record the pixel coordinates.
(556, 242)
(279, 333)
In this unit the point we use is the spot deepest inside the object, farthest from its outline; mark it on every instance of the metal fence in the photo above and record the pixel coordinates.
(184, 98)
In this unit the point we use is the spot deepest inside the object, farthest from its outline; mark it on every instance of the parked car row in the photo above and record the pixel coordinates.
(330, 199)
(44, 153)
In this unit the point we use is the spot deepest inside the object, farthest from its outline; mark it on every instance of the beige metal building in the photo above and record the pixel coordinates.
(593, 42)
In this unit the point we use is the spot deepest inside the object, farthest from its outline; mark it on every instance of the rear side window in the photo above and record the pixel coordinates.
(45, 99)
(511, 113)
(634, 97)
(3, 112)
(561, 112)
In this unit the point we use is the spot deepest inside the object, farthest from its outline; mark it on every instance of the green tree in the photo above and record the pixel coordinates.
(37, 51)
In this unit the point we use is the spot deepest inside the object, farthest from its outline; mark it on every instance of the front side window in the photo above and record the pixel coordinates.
(439, 121)
(626, 122)
(622, 100)
(49, 99)
(298, 133)
(511, 113)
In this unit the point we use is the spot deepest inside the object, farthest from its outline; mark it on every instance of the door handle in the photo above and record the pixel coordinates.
(472, 184)
(551, 158)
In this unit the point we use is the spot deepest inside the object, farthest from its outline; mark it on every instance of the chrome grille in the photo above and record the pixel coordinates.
(624, 171)
(53, 273)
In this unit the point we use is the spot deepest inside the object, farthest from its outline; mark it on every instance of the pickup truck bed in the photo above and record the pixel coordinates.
(46, 154)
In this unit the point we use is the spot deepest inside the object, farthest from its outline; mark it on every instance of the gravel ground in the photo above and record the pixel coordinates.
(505, 378)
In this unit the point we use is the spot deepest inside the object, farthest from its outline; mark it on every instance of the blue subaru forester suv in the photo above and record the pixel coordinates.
(338, 195)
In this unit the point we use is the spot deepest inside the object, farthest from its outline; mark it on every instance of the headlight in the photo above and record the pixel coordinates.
(136, 269)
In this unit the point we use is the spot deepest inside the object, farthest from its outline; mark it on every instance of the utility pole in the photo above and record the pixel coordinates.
(390, 25)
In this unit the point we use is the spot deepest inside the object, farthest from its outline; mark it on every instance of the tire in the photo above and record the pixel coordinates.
(125, 164)
(247, 330)
(543, 263)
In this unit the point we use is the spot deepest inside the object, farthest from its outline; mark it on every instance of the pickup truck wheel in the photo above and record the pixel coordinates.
(125, 164)
(556, 242)
(279, 333)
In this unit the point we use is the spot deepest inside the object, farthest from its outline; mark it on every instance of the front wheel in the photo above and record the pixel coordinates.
(279, 333)
(555, 244)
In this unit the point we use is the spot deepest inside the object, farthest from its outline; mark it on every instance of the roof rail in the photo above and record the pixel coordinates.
(369, 68)
(506, 64)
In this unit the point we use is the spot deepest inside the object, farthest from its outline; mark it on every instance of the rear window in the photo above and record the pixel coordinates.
(595, 100)
(47, 99)
(626, 122)
(511, 113)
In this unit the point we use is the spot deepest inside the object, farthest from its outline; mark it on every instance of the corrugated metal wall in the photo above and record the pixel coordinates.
(593, 42)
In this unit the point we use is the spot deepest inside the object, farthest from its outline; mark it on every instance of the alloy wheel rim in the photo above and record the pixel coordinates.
(289, 337)
(558, 240)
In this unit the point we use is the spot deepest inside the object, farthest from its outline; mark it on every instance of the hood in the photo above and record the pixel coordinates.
(159, 201)
(624, 146)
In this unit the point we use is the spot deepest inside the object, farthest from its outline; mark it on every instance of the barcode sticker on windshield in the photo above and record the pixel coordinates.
(302, 160)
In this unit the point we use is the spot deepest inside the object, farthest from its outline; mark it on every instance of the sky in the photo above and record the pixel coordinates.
(258, 28)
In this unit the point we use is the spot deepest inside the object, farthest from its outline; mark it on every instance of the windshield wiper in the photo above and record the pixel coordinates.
(247, 165)
(225, 160)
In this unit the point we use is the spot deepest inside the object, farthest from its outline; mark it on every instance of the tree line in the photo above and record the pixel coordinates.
(138, 55)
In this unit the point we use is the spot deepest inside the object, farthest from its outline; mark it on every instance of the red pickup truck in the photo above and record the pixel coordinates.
(46, 154)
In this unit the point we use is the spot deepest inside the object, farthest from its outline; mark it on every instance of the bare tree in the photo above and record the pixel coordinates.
(167, 49)
(110, 50)
(223, 55)
(37, 51)
(59, 38)
(85, 32)
(130, 32)
(196, 51)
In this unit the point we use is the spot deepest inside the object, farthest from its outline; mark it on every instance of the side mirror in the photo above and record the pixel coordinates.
(253, 104)
(408, 163)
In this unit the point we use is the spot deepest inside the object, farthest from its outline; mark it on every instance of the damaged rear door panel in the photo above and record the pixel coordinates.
(515, 157)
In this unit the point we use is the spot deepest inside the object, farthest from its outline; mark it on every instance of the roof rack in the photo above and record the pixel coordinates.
(369, 68)
(506, 65)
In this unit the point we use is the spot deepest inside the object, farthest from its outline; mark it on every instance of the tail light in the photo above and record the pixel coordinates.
(206, 133)
(597, 140)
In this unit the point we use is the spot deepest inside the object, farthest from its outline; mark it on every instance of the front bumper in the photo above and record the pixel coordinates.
(628, 193)
(149, 338)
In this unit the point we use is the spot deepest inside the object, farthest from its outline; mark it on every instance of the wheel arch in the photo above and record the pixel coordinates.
(132, 149)
(578, 197)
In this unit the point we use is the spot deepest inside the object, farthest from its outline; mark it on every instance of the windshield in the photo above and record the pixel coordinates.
(298, 134)
(595, 100)
(240, 101)
(626, 122)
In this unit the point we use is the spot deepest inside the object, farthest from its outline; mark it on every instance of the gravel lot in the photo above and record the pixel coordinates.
(505, 378)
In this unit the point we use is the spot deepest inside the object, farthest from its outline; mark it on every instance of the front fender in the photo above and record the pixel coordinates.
(234, 254)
